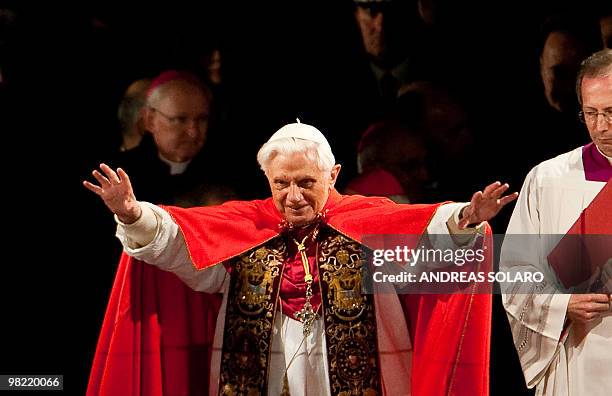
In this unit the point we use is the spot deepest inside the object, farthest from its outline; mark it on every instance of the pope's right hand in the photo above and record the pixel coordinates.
(116, 191)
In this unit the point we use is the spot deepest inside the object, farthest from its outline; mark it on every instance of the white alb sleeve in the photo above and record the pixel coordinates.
(166, 249)
(444, 223)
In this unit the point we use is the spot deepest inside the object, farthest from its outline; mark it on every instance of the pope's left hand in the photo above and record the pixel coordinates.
(485, 204)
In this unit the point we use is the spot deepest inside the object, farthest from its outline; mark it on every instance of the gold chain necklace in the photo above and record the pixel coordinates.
(306, 315)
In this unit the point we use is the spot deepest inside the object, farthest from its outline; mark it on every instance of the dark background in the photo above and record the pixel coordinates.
(281, 61)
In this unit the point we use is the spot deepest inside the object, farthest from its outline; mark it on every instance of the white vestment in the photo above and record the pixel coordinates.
(558, 357)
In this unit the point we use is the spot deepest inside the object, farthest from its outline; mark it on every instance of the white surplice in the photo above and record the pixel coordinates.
(560, 358)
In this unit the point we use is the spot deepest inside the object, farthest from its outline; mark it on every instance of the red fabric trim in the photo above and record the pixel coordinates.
(376, 182)
(451, 339)
(156, 338)
(216, 233)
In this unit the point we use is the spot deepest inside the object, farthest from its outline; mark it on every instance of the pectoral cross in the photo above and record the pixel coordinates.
(306, 315)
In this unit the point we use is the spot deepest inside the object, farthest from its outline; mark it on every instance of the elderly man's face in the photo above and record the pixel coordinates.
(179, 121)
(597, 97)
(299, 188)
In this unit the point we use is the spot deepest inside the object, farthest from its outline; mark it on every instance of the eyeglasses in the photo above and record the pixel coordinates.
(591, 116)
(182, 121)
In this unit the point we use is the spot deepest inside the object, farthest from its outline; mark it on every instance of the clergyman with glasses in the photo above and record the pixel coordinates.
(563, 334)
(171, 160)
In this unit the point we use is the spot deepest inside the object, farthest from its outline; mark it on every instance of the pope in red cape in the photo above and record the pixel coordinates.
(159, 336)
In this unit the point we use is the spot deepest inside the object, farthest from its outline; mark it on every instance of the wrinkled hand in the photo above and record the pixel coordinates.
(486, 204)
(584, 308)
(116, 191)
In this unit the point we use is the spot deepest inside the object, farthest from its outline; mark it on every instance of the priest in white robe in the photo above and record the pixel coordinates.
(564, 341)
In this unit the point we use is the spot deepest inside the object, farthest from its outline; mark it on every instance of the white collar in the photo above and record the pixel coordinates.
(609, 158)
(176, 168)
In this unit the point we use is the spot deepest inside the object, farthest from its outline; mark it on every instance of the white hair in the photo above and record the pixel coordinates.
(319, 153)
(160, 92)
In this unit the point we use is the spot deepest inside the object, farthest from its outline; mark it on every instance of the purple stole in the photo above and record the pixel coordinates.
(596, 166)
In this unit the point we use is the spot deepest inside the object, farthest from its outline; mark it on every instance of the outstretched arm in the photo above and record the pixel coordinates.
(116, 191)
(148, 233)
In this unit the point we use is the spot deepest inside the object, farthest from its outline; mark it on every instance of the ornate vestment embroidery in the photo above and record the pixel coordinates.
(349, 317)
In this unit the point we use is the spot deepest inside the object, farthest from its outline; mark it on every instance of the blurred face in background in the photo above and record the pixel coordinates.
(399, 150)
(131, 114)
(178, 120)
(371, 25)
(559, 62)
(385, 28)
(407, 162)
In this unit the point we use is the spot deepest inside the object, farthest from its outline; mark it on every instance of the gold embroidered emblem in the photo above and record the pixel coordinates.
(350, 323)
(249, 320)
